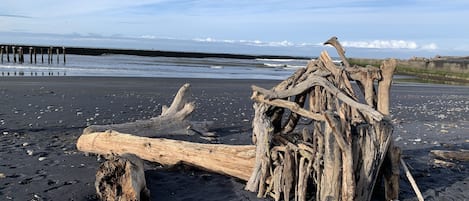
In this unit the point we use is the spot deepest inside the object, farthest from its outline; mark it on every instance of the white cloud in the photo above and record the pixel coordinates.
(431, 46)
(284, 43)
(389, 44)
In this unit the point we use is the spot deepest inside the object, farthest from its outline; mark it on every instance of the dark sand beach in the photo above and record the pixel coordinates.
(42, 117)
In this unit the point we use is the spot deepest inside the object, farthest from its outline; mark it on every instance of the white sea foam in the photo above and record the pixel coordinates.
(274, 65)
(278, 60)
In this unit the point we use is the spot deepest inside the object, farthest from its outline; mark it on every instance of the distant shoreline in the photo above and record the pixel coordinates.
(447, 70)
(154, 53)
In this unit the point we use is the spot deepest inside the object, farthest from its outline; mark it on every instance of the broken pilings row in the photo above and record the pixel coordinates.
(22, 73)
(18, 54)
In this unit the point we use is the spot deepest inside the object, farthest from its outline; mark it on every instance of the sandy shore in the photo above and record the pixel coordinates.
(41, 118)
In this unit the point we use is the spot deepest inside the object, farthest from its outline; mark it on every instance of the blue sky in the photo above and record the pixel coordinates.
(425, 27)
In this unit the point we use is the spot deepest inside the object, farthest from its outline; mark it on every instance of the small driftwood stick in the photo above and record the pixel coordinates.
(122, 178)
(412, 181)
(233, 160)
(462, 155)
(442, 163)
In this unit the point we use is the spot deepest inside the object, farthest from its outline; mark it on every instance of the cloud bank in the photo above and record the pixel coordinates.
(390, 44)
(373, 44)
(283, 43)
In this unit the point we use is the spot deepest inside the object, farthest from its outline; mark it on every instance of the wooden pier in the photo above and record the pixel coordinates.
(18, 53)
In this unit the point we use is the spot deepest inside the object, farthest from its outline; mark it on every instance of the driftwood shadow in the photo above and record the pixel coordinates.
(186, 183)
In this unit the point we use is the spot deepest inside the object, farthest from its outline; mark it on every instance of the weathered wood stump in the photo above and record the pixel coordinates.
(122, 178)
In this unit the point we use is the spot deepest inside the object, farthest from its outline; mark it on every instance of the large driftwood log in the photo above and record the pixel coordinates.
(233, 160)
(122, 178)
(174, 120)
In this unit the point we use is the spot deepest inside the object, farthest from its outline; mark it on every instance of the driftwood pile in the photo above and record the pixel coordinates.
(315, 137)
(337, 155)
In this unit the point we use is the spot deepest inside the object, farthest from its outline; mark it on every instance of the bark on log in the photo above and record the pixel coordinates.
(122, 178)
(233, 160)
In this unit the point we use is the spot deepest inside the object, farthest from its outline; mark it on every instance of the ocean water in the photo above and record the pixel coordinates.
(116, 65)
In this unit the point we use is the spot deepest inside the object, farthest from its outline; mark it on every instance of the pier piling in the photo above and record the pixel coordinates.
(30, 55)
(1, 52)
(58, 52)
(63, 52)
(13, 48)
(48, 56)
(35, 56)
(8, 55)
(42, 55)
(20, 55)
(51, 55)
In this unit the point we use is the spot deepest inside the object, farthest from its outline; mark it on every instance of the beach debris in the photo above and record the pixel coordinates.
(2, 175)
(337, 155)
(461, 155)
(122, 178)
(29, 152)
(444, 131)
(399, 138)
(412, 181)
(442, 163)
(42, 158)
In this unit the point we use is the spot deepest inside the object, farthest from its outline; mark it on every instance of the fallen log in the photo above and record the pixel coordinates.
(462, 155)
(232, 160)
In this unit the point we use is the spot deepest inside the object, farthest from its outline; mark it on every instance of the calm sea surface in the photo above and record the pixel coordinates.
(141, 66)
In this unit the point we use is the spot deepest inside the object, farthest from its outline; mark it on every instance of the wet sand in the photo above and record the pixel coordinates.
(42, 117)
